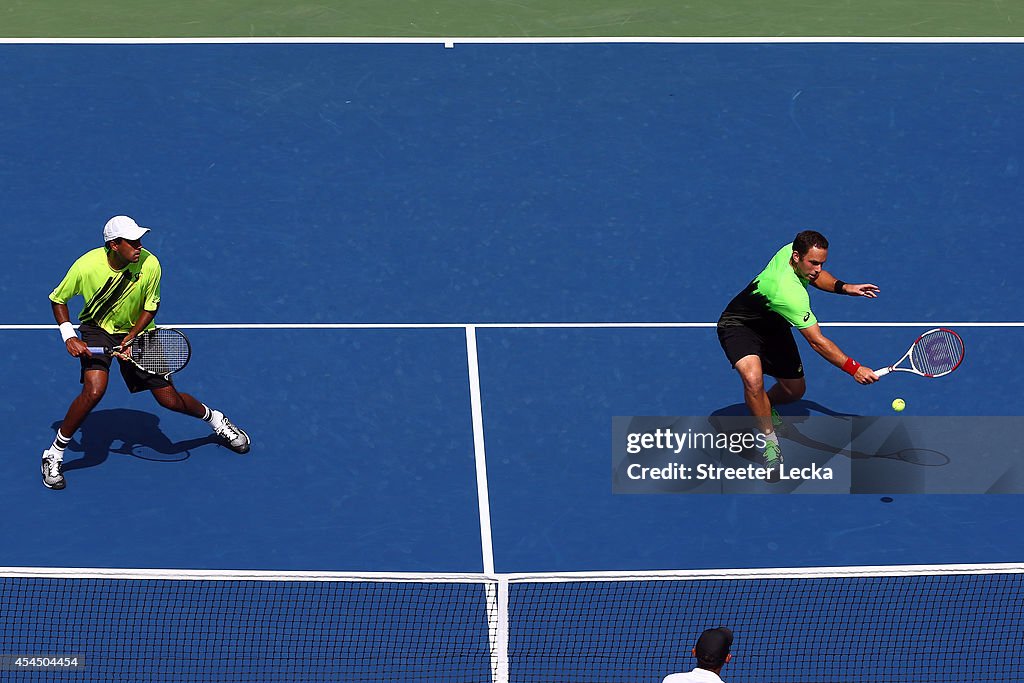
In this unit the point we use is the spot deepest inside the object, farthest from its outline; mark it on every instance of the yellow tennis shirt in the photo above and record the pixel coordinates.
(114, 299)
(776, 298)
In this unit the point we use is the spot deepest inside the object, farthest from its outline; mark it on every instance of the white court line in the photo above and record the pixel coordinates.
(539, 40)
(460, 326)
(483, 497)
(851, 571)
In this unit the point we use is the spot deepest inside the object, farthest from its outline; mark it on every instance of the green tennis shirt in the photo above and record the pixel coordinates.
(114, 299)
(777, 297)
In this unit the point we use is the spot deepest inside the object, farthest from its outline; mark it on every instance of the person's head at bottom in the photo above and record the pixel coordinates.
(712, 649)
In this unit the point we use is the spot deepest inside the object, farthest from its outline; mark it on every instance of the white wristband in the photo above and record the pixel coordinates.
(67, 331)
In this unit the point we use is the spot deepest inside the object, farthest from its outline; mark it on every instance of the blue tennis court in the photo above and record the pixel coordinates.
(402, 192)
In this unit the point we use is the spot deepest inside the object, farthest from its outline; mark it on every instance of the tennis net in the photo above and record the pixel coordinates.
(847, 624)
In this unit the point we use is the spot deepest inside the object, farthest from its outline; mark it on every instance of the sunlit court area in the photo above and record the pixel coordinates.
(451, 402)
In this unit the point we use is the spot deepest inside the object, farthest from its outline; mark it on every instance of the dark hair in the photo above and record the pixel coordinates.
(807, 239)
(713, 647)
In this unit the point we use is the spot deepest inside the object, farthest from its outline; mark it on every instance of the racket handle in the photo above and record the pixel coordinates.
(100, 350)
(882, 372)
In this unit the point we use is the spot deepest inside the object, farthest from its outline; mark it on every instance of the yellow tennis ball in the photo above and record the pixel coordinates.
(898, 405)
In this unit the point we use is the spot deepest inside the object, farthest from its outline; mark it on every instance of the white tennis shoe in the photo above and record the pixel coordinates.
(53, 470)
(236, 438)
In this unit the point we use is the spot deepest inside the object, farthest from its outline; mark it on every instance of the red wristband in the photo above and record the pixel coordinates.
(850, 366)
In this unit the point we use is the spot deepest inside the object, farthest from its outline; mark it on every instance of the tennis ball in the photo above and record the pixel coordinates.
(898, 404)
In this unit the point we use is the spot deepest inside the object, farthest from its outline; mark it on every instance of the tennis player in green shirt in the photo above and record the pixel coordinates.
(754, 331)
(120, 283)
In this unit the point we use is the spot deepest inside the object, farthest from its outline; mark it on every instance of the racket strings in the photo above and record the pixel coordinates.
(161, 351)
(938, 352)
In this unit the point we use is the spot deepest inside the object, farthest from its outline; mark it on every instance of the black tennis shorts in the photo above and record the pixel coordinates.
(136, 380)
(776, 348)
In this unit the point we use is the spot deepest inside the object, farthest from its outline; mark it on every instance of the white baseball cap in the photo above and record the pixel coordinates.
(122, 226)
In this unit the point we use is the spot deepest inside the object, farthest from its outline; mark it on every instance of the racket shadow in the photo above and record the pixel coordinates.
(727, 418)
(127, 432)
(898, 446)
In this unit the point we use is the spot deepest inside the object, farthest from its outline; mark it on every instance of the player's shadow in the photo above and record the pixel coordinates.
(791, 411)
(899, 445)
(127, 432)
(736, 417)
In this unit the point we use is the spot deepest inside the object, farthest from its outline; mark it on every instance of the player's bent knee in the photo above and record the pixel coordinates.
(750, 371)
(94, 391)
(94, 385)
(93, 394)
(753, 380)
(753, 384)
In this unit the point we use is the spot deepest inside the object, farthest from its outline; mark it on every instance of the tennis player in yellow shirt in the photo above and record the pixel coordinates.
(120, 283)
(754, 331)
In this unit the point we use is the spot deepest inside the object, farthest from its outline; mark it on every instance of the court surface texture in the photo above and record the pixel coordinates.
(511, 190)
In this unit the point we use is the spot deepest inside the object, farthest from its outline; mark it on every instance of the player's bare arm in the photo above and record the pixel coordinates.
(145, 318)
(76, 347)
(827, 282)
(827, 349)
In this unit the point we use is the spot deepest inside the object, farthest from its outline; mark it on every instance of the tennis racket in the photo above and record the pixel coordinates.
(161, 351)
(935, 353)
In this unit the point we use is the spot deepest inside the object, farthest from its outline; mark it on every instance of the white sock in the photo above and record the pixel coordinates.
(213, 417)
(773, 437)
(60, 442)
